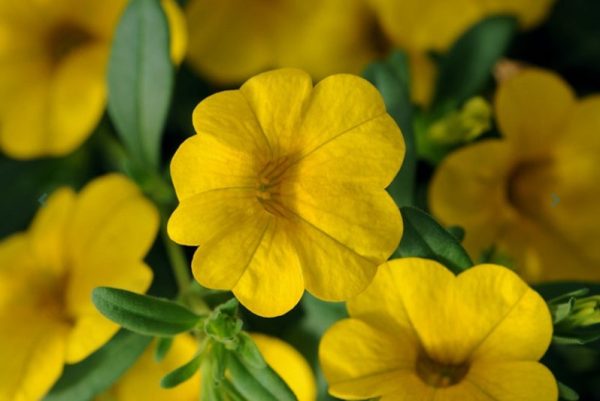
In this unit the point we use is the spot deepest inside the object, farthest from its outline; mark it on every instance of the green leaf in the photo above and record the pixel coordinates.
(182, 373)
(142, 313)
(94, 375)
(391, 77)
(163, 345)
(257, 384)
(575, 339)
(561, 311)
(566, 393)
(467, 67)
(210, 389)
(457, 232)
(140, 79)
(249, 353)
(424, 237)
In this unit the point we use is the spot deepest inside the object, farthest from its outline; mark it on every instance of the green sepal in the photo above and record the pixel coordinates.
(423, 237)
(182, 373)
(140, 79)
(257, 384)
(144, 314)
(163, 345)
(98, 372)
(467, 67)
(223, 324)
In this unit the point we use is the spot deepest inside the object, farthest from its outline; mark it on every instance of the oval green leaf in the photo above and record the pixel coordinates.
(257, 384)
(144, 314)
(467, 67)
(140, 79)
(423, 237)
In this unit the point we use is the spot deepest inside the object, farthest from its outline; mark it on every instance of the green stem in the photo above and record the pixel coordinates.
(179, 263)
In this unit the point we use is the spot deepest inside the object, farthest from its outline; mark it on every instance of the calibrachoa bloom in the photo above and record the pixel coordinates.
(53, 58)
(141, 382)
(232, 40)
(532, 196)
(421, 333)
(283, 189)
(75, 243)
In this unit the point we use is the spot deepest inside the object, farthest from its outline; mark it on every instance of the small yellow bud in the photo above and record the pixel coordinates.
(462, 125)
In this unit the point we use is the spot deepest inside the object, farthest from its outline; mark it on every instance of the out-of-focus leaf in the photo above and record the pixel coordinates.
(182, 373)
(83, 381)
(140, 79)
(249, 353)
(566, 393)
(163, 345)
(424, 237)
(142, 313)
(392, 79)
(457, 232)
(558, 291)
(467, 67)
(257, 384)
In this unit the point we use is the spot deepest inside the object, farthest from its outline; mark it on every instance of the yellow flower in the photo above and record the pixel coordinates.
(53, 59)
(283, 189)
(420, 26)
(75, 243)
(421, 333)
(232, 40)
(532, 195)
(141, 382)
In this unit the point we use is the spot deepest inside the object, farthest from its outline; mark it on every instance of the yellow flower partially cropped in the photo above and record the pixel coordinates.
(421, 333)
(232, 40)
(98, 237)
(533, 194)
(53, 60)
(420, 26)
(141, 382)
(283, 189)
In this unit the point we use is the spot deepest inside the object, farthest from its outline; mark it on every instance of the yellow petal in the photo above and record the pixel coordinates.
(26, 114)
(529, 12)
(423, 74)
(227, 241)
(512, 381)
(32, 356)
(77, 99)
(338, 105)
(381, 304)
(516, 319)
(288, 363)
(17, 269)
(177, 28)
(278, 99)
(469, 189)
(272, 283)
(532, 109)
(362, 362)
(212, 214)
(420, 25)
(142, 380)
(363, 220)
(332, 271)
(230, 40)
(203, 163)
(370, 153)
(111, 219)
(48, 229)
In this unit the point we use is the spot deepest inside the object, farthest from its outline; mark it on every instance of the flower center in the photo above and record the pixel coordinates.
(529, 187)
(437, 374)
(268, 185)
(64, 38)
(51, 298)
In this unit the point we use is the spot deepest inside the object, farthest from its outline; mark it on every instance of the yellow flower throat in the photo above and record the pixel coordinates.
(268, 185)
(437, 374)
(64, 38)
